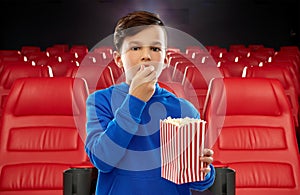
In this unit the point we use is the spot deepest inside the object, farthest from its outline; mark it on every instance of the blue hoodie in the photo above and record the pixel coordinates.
(123, 141)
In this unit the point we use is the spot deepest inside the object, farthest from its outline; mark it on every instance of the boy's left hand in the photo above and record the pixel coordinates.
(207, 158)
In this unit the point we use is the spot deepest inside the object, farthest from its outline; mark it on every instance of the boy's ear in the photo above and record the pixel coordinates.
(166, 63)
(117, 58)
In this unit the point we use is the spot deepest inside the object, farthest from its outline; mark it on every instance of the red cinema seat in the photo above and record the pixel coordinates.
(166, 75)
(117, 72)
(235, 69)
(4, 63)
(195, 83)
(177, 57)
(261, 56)
(26, 49)
(173, 50)
(250, 61)
(97, 77)
(66, 57)
(33, 57)
(9, 53)
(235, 47)
(54, 51)
(284, 76)
(178, 70)
(251, 129)
(79, 51)
(269, 50)
(289, 48)
(292, 69)
(173, 87)
(190, 50)
(218, 53)
(60, 69)
(283, 57)
(107, 50)
(244, 52)
(39, 135)
(255, 47)
(93, 58)
(64, 46)
(210, 48)
(14, 72)
(230, 57)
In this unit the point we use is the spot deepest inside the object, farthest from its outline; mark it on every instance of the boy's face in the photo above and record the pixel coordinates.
(147, 47)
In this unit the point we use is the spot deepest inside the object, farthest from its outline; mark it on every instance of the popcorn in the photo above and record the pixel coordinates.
(182, 145)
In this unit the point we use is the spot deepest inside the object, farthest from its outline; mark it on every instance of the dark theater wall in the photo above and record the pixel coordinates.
(212, 22)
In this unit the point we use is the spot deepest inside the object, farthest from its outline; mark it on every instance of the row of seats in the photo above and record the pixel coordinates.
(257, 139)
(184, 72)
(177, 73)
(57, 54)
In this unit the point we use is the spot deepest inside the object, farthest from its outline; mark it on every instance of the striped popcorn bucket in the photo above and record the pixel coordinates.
(182, 145)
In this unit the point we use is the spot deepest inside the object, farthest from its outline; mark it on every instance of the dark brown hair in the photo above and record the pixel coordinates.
(139, 19)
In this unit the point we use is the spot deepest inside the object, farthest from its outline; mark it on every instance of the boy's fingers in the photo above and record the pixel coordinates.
(207, 160)
(145, 74)
(208, 152)
(206, 170)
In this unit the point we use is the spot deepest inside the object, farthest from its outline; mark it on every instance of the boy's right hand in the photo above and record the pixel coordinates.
(143, 83)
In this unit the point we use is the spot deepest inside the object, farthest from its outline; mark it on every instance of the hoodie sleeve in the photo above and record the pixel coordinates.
(108, 135)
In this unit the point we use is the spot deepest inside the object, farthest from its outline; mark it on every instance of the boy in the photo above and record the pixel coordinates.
(123, 120)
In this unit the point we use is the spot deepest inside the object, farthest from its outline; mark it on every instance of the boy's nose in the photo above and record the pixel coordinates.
(146, 55)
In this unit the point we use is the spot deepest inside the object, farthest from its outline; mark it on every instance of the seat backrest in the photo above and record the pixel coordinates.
(166, 75)
(234, 47)
(294, 72)
(173, 87)
(9, 52)
(97, 77)
(26, 49)
(231, 56)
(13, 72)
(178, 70)
(117, 72)
(60, 69)
(261, 55)
(79, 50)
(54, 51)
(64, 46)
(250, 128)
(255, 47)
(284, 76)
(250, 61)
(287, 58)
(4, 63)
(235, 69)
(39, 134)
(175, 58)
(93, 58)
(195, 83)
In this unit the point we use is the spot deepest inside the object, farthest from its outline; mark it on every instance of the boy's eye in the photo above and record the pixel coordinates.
(135, 48)
(156, 49)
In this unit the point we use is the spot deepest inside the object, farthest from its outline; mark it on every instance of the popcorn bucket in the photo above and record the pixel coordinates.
(182, 145)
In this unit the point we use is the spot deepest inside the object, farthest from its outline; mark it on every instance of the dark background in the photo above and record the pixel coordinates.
(273, 23)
